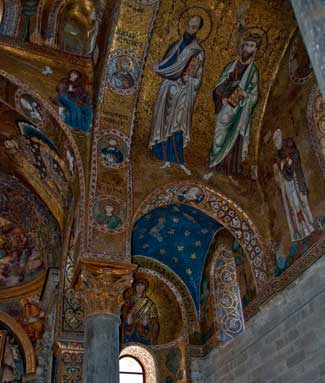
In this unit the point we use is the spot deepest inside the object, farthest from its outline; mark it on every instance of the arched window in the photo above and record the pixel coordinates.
(131, 371)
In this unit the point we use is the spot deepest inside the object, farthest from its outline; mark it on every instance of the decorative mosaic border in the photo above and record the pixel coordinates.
(97, 134)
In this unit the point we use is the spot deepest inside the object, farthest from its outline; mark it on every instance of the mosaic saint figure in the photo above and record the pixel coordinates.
(290, 178)
(181, 71)
(235, 97)
(140, 321)
(111, 153)
(108, 218)
(122, 77)
(74, 102)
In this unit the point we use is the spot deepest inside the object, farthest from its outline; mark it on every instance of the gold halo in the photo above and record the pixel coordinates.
(204, 33)
(264, 42)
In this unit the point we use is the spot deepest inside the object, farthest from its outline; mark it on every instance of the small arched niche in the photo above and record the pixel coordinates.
(137, 365)
(75, 22)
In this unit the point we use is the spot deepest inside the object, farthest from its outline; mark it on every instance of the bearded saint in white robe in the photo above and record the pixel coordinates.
(181, 69)
(290, 178)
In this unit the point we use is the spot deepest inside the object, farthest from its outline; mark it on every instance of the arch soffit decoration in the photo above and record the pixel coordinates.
(212, 277)
(223, 210)
(146, 358)
(50, 109)
(23, 339)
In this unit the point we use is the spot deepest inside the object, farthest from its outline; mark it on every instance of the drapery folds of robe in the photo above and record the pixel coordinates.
(291, 181)
(233, 122)
(181, 70)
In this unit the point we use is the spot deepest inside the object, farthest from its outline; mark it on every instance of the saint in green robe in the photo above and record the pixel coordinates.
(233, 120)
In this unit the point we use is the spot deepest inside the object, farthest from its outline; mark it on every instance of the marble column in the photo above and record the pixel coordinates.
(102, 348)
(100, 288)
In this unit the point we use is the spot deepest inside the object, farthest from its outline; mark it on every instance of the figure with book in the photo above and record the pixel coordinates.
(235, 97)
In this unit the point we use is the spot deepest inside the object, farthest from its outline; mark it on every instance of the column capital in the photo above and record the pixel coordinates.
(100, 285)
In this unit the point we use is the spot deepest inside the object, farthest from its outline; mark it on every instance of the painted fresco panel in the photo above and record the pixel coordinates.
(30, 238)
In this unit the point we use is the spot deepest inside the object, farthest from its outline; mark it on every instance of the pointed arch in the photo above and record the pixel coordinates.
(223, 210)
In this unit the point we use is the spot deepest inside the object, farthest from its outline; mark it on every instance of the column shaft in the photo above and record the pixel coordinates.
(101, 358)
